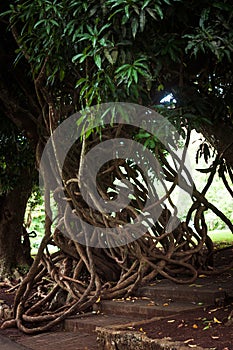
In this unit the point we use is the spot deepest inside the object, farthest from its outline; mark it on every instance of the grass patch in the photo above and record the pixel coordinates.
(221, 236)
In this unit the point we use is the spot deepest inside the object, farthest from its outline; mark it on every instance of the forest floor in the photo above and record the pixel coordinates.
(206, 327)
(209, 327)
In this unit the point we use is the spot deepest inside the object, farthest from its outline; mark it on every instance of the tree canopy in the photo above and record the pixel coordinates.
(76, 54)
(138, 51)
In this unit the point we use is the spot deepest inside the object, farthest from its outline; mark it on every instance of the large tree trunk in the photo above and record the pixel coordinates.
(14, 245)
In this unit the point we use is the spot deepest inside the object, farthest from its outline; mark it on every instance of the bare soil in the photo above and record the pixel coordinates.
(210, 327)
(207, 328)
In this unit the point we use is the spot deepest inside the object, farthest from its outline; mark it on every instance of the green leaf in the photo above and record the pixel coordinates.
(121, 68)
(91, 31)
(80, 82)
(159, 11)
(76, 57)
(54, 22)
(152, 13)
(134, 26)
(146, 3)
(108, 56)
(48, 28)
(136, 9)
(144, 73)
(83, 90)
(93, 10)
(98, 61)
(39, 22)
(89, 132)
(151, 143)
(114, 55)
(82, 59)
(104, 27)
(146, 143)
(143, 135)
(84, 36)
(127, 11)
(142, 20)
(113, 14)
(160, 87)
(80, 120)
(204, 17)
(62, 74)
(135, 75)
(94, 41)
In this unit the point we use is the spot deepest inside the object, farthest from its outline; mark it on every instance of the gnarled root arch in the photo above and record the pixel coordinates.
(74, 277)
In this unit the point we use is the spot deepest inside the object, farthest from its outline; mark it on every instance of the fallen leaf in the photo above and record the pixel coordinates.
(214, 337)
(98, 300)
(192, 345)
(216, 320)
(213, 310)
(195, 326)
(188, 340)
(165, 304)
(196, 285)
(171, 321)
(206, 327)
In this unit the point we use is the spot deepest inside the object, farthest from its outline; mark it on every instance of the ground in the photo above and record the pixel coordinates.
(209, 327)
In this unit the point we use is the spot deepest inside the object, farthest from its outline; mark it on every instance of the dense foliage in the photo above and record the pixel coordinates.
(14, 157)
(135, 51)
(130, 50)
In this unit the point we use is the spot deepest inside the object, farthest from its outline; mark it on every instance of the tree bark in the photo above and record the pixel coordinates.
(14, 247)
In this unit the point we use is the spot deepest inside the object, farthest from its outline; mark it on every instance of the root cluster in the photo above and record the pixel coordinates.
(69, 277)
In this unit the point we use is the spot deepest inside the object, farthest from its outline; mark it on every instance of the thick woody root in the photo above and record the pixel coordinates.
(75, 277)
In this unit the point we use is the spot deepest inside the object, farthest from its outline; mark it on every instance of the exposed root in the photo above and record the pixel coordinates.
(75, 277)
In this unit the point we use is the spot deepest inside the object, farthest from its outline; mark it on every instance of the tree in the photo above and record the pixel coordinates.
(16, 182)
(137, 51)
(17, 160)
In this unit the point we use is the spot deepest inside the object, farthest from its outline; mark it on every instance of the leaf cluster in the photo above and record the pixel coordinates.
(131, 50)
(15, 155)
